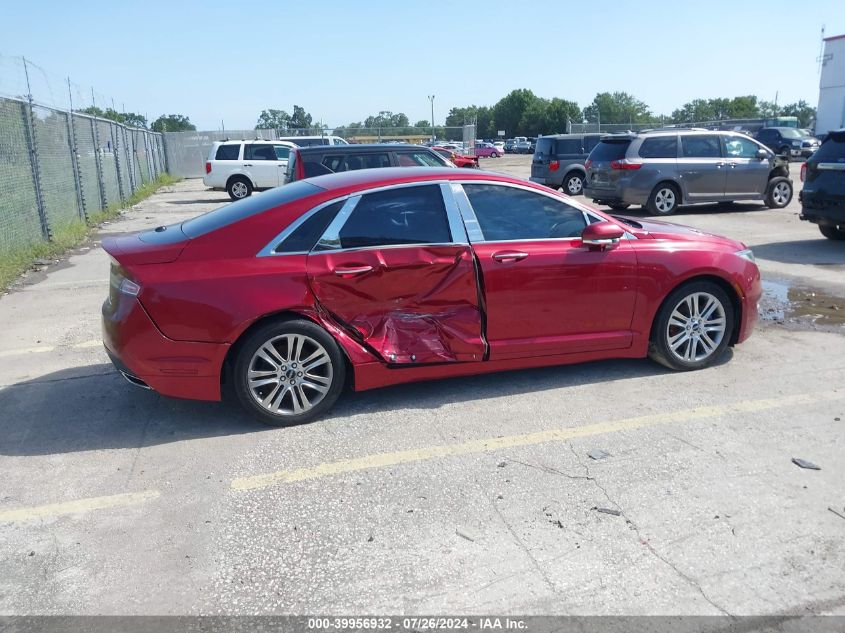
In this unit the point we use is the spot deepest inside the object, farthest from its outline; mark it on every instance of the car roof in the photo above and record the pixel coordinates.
(383, 177)
(229, 141)
(362, 147)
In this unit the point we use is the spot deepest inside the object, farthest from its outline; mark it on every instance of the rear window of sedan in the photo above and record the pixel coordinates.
(236, 211)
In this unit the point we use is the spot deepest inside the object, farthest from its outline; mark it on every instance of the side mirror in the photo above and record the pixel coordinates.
(602, 234)
(762, 154)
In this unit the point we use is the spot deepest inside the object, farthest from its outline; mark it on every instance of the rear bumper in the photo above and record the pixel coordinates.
(826, 212)
(147, 358)
(612, 196)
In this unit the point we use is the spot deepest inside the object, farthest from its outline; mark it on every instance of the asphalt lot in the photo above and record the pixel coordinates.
(469, 495)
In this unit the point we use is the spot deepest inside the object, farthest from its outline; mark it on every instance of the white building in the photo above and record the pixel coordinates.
(831, 111)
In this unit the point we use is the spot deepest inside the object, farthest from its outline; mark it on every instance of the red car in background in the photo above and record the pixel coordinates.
(383, 276)
(460, 160)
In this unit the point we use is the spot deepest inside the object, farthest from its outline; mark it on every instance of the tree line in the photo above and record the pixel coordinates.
(164, 123)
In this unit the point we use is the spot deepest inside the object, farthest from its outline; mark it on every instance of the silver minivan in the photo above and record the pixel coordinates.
(663, 169)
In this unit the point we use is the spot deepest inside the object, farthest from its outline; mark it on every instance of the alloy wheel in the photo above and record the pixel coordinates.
(664, 200)
(290, 374)
(696, 327)
(239, 189)
(574, 185)
(780, 194)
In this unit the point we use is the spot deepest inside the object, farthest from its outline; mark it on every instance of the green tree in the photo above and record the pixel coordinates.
(300, 118)
(509, 110)
(745, 107)
(172, 123)
(695, 110)
(424, 123)
(617, 107)
(805, 112)
(127, 118)
(273, 120)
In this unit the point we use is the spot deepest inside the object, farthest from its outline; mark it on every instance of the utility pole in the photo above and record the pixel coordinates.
(431, 99)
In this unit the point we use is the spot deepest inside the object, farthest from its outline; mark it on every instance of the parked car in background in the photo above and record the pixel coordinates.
(522, 145)
(310, 141)
(823, 195)
(500, 145)
(456, 157)
(663, 169)
(788, 141)
(487, 150)
(385, 276)
(241, 167)
(510, 146)
(307, 162)
(559, 161)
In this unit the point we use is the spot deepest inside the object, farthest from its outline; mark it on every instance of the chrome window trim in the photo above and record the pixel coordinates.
(270, 249)
(331, 236)
(453, 214)
(476, 234)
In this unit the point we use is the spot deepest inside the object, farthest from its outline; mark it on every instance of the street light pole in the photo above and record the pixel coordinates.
(431, 98)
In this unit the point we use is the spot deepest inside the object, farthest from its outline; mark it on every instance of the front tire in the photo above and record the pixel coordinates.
(288, 372)
(239, 188)
(693, 327)
(779, 193)
(832, 232)
(664, 199)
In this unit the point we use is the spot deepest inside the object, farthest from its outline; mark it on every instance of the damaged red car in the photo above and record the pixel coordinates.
(383, 276)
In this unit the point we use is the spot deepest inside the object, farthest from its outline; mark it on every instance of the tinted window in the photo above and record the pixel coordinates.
(590, 142)
(766, 135)
(228, 152)
(660, 147)
(282, 152)
(409, 215)
(610, 150)
(419, 159)
(569, 146)
(247, 207)
(739, 147)
(303, 237)
(259, 151)
(703, 146)
(505, 213)
(832, 149)
(351, 162)
(545, 145)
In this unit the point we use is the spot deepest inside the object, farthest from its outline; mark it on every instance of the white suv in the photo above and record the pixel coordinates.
(240, 167)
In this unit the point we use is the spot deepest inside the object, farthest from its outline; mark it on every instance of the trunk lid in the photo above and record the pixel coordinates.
(161, 245)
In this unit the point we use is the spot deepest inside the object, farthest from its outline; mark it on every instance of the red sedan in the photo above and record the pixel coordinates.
(384, 276)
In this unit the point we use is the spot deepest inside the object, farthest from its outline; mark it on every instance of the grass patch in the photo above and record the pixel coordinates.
(16, 260)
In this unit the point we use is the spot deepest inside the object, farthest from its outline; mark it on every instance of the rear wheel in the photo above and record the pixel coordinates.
(693, 327)
(832, 232)
(779, 193)
(573, 183)
(664, 199)
(288, 372)
(239, 188)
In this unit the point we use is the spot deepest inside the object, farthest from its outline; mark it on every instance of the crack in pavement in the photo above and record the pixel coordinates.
(689, 579)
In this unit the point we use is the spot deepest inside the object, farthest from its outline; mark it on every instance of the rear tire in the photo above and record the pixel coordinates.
(288, 372)
(832, 232)
(573, 183)
(239, 188)
(693, 327)
(664, 199)
(779, 193)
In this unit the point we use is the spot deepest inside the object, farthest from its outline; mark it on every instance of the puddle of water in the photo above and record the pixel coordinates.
(783, 302)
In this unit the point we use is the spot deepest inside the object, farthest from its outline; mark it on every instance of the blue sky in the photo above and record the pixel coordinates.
(343, 61)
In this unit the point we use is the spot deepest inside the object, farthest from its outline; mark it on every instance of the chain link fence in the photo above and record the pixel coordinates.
(58, 167)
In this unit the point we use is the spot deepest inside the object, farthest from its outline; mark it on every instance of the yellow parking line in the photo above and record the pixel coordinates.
(380, 460)
(48, 348)
(78, 506)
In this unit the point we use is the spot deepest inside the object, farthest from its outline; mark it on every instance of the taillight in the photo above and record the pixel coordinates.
(803, 172)
(208, 166)
(300, 166)
(624, 164)
(554, 165)
(587, 163)
(129, 287)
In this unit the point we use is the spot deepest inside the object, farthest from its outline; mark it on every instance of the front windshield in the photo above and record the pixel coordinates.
(790, 132)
